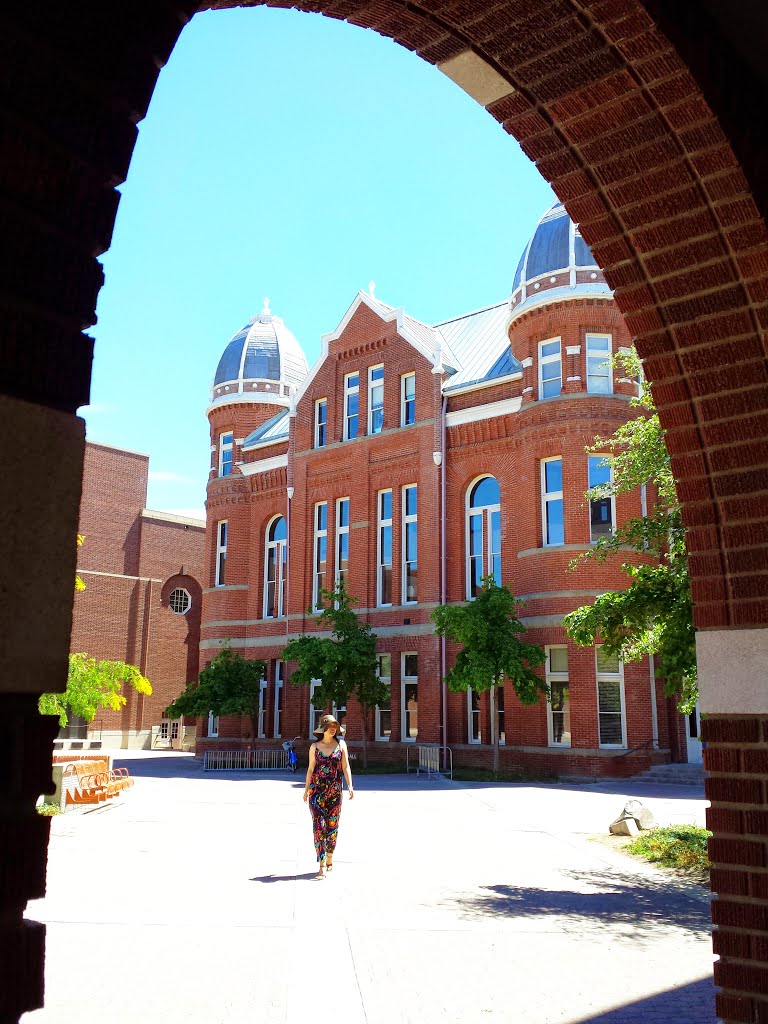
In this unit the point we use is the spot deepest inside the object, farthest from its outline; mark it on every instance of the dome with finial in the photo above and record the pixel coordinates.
(263, 356)
(555, 265)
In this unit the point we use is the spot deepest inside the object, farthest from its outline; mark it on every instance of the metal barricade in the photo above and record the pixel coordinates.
(245, 760)
(427, 759)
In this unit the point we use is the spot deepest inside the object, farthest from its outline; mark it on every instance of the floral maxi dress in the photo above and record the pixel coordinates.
(325, 801)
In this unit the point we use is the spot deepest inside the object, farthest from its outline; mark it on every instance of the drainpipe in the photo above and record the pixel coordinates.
(654, 710)
(444, 689)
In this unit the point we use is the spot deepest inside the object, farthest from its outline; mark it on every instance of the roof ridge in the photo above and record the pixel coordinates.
(473, 312)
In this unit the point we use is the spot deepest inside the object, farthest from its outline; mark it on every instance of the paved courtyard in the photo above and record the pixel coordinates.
(195, 900)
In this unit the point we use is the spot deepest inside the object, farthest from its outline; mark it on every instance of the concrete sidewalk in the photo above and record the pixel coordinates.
(195, 901)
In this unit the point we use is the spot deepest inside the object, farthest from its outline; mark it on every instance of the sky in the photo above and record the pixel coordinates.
(289, 156)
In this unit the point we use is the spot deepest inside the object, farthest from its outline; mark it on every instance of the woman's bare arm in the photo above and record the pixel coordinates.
(346, 769)
(309, 771)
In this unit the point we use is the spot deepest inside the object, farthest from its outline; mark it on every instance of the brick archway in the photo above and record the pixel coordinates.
(623, 107)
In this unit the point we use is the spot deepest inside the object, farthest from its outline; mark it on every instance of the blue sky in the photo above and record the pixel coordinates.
(290, 156)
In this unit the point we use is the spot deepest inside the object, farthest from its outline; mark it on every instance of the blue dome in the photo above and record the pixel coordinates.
(555, 264)
(263, 350)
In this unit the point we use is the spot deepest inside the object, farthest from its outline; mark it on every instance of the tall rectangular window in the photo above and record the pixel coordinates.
(226, 444)
(375, 399)
(500, 715)
(409, 697)
(315, 714)
(262, 707)
(552, 501)
(602, 511)
(407, 399)
(321, 423)
(483, 534)
(610, 699)
(342, 539)
(351, 405)
(278, 716)
(384, 550)
(384, 710)
(550, 369)
(559, 706)
(474, 725)
(213, 725)
(221, 553)
(599, 374)
(275, 568)
(410, 544)
(320, 555)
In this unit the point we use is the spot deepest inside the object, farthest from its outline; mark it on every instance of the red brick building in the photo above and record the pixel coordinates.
(143, 573)
(413, 459)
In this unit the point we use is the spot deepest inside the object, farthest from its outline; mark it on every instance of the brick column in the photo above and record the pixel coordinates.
(734, 701)
(573, 382)
(529, 382)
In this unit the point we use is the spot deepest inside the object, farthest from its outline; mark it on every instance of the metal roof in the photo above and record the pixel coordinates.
(275, 429)
(480, 346)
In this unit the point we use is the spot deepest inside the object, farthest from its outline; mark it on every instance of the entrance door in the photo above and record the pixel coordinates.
(694, 731)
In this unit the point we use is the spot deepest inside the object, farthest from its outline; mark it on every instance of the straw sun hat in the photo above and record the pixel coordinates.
(325, 721)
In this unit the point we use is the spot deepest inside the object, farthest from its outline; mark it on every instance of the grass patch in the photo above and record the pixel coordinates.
(485, 775)
(678, 846)
(48, 810)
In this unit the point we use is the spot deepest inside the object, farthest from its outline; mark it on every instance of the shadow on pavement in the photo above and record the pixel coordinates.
(641, 904)
(310, 876)
(688, 1002)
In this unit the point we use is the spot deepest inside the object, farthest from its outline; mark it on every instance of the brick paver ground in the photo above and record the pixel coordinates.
(195, 901)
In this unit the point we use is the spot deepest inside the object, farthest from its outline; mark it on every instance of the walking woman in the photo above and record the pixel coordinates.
(328, 761)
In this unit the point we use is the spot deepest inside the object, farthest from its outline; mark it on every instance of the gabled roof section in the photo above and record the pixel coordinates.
(480, 345)
(274, 430)
(425, 339)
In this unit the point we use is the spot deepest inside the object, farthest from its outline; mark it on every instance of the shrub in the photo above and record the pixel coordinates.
(678, 846)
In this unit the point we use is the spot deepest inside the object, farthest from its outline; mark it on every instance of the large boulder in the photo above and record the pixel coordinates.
(635, 812)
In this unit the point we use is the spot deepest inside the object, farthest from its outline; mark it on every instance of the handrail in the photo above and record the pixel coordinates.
(625, 753)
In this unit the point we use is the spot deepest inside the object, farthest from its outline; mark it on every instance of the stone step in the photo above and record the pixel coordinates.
(674, 774)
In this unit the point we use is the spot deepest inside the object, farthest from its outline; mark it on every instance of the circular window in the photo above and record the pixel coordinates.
(180, 601)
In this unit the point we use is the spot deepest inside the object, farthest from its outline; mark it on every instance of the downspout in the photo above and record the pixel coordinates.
(444, 689)
(654, 710)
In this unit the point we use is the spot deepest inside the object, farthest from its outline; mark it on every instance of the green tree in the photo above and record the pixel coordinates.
(489, 631)
(228, 685)
(92, 685)
(345, 663)
(654, 615)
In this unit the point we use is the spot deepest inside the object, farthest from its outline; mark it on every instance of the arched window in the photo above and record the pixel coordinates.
(275, 569)
(483, 534)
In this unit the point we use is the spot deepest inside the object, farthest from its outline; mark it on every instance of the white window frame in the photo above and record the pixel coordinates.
(372, 386)
(557, 677)
(381, 525)
(315, 714)
(611, 677)
(380, 738)
(321, 403)
(407, 400)
(349, 391)
(548, 360)
(605, 371)
(281, 567)
(180, 590)
(404, 563)
(341, 531)
(222, 540)
(213, 725)
(408, 681)
(546, 498)
(263, 684)
(278, 708)
(471, 714)
(486, 555)
(226, 448)
(612, 499)
(318, 535)
(501, 715)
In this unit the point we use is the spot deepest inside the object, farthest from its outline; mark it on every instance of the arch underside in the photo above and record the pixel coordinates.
(642, 117)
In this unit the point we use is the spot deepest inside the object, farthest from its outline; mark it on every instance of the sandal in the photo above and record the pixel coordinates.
(328, 864)
(321, 868)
